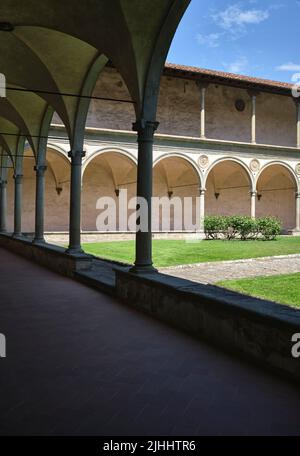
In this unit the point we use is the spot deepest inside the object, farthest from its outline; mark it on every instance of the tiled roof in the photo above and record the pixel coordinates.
(230, 78)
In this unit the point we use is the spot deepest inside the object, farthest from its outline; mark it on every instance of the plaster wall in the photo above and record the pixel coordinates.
(179, 111)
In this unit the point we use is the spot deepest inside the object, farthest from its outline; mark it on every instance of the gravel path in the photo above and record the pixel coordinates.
(226, 270)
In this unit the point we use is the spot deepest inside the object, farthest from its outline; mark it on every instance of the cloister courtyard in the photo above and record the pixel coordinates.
(149, 225)
(267, 263)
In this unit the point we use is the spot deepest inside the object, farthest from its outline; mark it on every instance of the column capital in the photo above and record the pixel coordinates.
(202, 191)
(253, 92)
(253, 193)
(40, 170)
(3, 183)
(296, 100)
(18, 178)
(202, 84)
(76, 153)
(145, 128)
(297, 194)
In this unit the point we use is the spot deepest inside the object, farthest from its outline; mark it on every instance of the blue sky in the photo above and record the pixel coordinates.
(256, 38)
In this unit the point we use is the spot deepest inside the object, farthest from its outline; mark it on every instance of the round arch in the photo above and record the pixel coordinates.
(99, 152)
(228, 184)
(177, 178)
(276, 186)
(183, 157)
(284, 165)
(108, 172)
(230, 159)
(57, 190)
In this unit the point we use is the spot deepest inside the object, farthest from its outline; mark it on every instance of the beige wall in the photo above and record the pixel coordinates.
(230, 181)
(179, 111)
(277, 190)
(56, 205)
(103, 175)
(276, 120)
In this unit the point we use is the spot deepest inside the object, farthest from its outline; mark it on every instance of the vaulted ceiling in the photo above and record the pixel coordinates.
(52, 51)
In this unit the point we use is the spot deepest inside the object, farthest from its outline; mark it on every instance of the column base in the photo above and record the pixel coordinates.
(143, 269)
(75, 251)
(295, 232)
(38, 241)
(17, 236)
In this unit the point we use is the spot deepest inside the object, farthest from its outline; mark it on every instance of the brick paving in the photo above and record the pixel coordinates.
(80, 363)
(225, 270)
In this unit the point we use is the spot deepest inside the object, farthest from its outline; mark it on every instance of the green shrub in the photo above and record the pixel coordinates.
(269, 227)
(242, 227)
(214, 226)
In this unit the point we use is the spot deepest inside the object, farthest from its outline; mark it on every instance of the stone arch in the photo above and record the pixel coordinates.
(176, 176)
(99, 152)
(57, 190)
(107, 173)
(276, 186)
(228, 184)
(235, 160)
(28, 191)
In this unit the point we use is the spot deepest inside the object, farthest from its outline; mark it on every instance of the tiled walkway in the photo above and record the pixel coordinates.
(79, 362)
(225, 270)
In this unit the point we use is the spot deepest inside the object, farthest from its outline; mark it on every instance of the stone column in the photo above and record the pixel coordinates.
(75, 202)
(298, 122)
(143, 243)
(202, 192)
(39, 204)
(3, 206)
(297, 212)
(202, 86)
(253, 94)
(253, 204)
(18, 205)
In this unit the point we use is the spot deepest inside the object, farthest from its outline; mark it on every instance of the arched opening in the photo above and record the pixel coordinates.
(57, 191)
(108, 174)
(10, 196)
(227, 189)
(276, 188)
(175, 178)
(28, 192)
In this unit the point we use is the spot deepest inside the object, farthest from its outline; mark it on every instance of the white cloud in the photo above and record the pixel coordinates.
(288, 67)
(240, 65)
(234, 18)
(211, 40)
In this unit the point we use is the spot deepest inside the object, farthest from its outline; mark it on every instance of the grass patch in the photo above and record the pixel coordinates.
(283, 289)
(171, 253)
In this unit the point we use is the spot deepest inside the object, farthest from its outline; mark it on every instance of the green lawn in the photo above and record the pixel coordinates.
(284, 289)
(170, 253)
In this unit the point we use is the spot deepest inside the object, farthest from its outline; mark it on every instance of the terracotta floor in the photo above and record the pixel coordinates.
(78, 362)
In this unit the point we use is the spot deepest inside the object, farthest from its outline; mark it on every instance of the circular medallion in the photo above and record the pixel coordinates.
(254, 165)
(240, 105)
(298, 169)
(203, 161)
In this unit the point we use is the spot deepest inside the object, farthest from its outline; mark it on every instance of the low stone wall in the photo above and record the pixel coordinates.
(50, 256)
(255, 329)
(61, 238)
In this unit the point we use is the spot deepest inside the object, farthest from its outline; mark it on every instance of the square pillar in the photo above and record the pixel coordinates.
(253, 94)
(202, 87)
